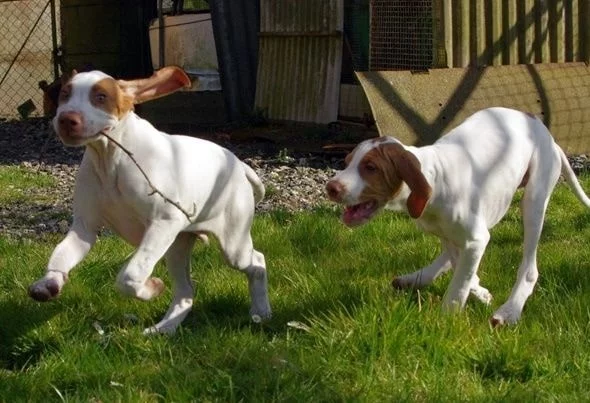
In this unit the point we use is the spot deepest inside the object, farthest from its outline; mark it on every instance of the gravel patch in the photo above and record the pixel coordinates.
(294, 181)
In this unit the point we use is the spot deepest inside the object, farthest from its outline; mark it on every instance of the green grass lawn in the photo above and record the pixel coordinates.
(356, 339)
(16, 182)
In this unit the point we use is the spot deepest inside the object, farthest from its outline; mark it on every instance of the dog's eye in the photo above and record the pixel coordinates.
(101, 97)
(369, 166)
(64, 94)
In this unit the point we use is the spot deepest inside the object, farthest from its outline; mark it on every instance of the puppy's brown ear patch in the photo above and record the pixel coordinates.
(125, 105)
(409, 170)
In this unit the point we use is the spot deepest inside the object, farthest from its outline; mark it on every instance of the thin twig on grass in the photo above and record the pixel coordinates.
(155, 190)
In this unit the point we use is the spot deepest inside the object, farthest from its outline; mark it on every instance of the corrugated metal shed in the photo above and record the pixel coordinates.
(300, 57)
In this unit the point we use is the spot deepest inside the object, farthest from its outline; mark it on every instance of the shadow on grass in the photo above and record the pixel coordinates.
(582, 221)
(570, 279)
(231, 311)
(19, 346)
(498, 366)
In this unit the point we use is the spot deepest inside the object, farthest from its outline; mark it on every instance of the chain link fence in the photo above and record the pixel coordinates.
(28, 43)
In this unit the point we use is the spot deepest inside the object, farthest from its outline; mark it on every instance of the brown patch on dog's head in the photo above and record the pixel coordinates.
(108, 96)
(385, 167)
(350, 155)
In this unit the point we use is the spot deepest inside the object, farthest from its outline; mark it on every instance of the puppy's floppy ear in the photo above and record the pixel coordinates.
(164, 81)
(408, 170)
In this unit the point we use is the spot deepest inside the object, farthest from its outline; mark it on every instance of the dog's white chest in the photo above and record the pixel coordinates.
(121, 218)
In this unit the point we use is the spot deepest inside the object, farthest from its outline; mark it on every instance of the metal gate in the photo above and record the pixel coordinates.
(29, 33)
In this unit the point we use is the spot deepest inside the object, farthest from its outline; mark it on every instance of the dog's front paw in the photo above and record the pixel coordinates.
(154, 330)
(261, 314)
(259, 319)
(156, 285)
(505, 315)
(44, 290)
(451, 306)
(482, 294)
(202, 236)
(408, 281)
(398, 283)
(145, 291)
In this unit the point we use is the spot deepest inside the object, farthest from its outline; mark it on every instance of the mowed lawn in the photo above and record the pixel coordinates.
(338, 333)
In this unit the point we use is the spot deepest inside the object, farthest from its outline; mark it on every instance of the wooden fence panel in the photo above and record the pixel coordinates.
(494, 32)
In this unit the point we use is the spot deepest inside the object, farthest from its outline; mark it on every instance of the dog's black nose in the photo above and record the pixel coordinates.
(335, 190)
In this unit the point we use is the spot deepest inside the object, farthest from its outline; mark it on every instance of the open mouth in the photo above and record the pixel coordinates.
(359, 213)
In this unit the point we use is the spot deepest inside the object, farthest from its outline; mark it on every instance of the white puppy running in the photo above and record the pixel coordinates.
(158, 197)
(458, 188)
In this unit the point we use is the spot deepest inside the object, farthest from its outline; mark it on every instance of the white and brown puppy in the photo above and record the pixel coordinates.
(458, 188)
(201, 188)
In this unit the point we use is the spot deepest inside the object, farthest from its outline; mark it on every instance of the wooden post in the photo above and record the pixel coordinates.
(497, 32)
(511, 32)
(584, 24)
(465, 34)
(448, 27)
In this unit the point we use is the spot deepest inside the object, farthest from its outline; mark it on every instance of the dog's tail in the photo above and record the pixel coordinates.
(257, 185)
(570, 178)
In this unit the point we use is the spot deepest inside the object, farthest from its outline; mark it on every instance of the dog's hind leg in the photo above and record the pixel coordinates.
(178, 260)
(245, 258)
(240, 254)
(533, 206)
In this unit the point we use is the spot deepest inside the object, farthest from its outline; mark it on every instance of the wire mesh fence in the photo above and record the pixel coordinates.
(28, 37)
(180, 6)
(401, 35)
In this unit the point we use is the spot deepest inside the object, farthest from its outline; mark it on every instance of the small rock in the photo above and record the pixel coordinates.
(63, 226)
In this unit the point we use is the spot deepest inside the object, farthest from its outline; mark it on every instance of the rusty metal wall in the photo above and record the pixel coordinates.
(300, 57)
(418, 108)
(500, 32)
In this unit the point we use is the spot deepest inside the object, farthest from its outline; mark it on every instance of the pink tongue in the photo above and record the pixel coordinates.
(356, 213)
(348, 215)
